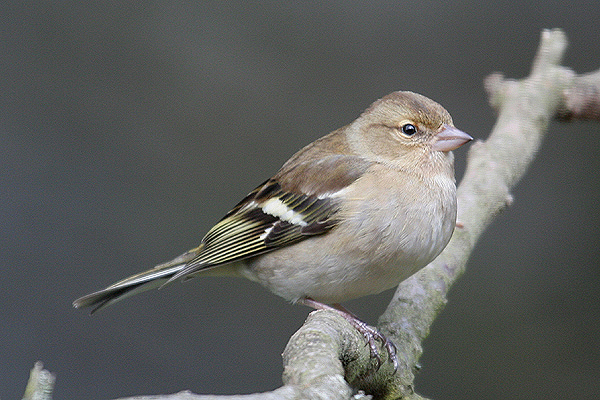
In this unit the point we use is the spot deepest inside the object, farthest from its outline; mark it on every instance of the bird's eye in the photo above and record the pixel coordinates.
(409, 129)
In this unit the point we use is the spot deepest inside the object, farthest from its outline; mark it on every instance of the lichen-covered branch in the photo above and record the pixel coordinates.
(327, 358)
(581, 100)
(40, 384)
(494, 166)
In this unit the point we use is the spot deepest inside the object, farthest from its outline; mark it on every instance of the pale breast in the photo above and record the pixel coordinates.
(386, 234)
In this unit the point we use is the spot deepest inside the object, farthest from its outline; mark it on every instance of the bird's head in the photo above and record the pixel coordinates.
(406, 128)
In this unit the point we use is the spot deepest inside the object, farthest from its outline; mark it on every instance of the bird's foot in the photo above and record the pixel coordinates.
(370, 333)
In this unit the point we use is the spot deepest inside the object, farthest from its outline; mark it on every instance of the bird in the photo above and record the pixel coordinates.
(351, 214)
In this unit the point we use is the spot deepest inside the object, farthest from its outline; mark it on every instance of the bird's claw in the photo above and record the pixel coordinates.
(372, 335)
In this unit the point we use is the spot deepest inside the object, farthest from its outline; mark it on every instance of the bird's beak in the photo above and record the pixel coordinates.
(450, 138)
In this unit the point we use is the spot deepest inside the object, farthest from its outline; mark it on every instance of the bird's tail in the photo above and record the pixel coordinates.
(153, 278)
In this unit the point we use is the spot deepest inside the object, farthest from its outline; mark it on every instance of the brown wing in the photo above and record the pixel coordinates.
(297, 203)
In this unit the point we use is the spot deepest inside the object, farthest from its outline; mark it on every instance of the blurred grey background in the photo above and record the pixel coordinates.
(127, 129)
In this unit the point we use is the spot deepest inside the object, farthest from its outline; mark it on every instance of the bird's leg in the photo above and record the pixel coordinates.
(370, 333)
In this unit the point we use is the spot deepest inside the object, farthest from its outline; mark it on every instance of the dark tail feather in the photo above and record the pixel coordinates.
(123, 289)
(151, 279)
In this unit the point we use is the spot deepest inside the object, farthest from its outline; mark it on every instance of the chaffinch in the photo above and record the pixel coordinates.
(353, 213)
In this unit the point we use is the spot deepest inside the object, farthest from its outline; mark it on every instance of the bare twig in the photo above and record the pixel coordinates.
(40, 384)
(581, 100)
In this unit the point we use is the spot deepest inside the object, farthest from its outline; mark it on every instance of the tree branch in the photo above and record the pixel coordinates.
(327, 358)
(582, 99)
(40, 384)
(494, 167)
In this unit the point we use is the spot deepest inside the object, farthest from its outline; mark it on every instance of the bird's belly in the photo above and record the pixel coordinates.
(376, 255)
